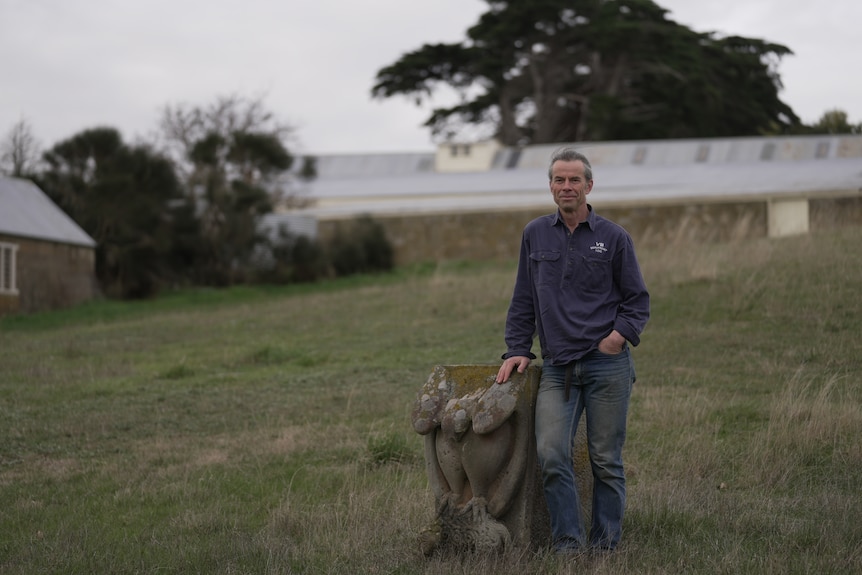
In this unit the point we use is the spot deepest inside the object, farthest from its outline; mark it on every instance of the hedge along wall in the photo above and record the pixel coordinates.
(496, 235)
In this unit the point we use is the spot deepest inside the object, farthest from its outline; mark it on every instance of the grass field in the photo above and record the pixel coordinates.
(268, 430)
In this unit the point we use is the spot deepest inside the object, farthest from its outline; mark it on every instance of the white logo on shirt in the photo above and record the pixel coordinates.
(599, 247)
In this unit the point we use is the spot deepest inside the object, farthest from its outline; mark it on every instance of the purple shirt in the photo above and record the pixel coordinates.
(574, 288)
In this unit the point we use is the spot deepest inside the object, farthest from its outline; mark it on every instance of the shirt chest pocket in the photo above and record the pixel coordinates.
(595, 275)
(547, 269)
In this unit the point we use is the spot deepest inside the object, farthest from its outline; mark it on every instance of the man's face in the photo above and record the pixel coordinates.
(569, 186)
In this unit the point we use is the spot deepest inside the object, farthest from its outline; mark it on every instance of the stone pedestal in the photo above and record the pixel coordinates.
(480, 453)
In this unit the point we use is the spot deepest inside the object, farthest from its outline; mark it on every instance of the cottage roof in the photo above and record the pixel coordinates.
(27, 212)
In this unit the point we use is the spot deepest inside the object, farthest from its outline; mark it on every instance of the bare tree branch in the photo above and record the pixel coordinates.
(20, 152)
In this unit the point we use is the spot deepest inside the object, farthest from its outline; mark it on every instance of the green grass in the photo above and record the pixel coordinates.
(267, 430)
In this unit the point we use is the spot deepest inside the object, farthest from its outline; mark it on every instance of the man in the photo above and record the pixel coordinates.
(579, 286)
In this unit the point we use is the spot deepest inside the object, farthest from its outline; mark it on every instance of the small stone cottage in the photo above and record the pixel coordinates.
(46, 260)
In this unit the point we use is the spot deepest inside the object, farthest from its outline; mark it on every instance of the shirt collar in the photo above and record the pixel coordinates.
(590, 221)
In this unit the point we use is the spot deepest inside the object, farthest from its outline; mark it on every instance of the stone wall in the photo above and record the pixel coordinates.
(835, 212)
(495, 235)
(50, 275)
(8, 304)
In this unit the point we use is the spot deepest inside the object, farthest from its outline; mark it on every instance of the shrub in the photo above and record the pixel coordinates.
(291, 259)
(361, 247)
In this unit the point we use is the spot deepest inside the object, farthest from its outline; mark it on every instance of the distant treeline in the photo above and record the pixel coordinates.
(189, 211)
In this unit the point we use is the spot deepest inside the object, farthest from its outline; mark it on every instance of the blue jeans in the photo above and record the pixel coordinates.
(601, 386)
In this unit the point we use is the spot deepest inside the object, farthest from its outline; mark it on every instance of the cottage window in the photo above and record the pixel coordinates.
(7, 269)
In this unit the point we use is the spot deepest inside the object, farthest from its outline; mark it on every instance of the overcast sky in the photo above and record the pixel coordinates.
(70, 65)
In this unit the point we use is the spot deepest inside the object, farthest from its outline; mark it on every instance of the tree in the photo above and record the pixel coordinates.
(126, 199)
(19, 153)
(539, 71)
(835, 122)
(234, 161)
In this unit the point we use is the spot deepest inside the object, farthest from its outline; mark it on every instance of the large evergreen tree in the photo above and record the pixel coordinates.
(538, 71)
(128, 199)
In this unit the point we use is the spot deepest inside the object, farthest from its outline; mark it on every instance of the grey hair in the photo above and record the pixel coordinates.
(570, 155)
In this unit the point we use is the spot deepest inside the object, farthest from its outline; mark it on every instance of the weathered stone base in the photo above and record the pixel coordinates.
(480, 453)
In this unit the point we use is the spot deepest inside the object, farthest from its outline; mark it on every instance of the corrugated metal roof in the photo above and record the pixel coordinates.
(348, 166)
(25, 211)
(703, 150)
(614, 183)
(700, 151)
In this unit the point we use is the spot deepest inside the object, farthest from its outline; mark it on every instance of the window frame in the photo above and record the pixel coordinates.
(8, 266)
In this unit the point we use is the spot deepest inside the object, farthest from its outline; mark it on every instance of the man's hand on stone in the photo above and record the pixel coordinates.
(519, 362)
